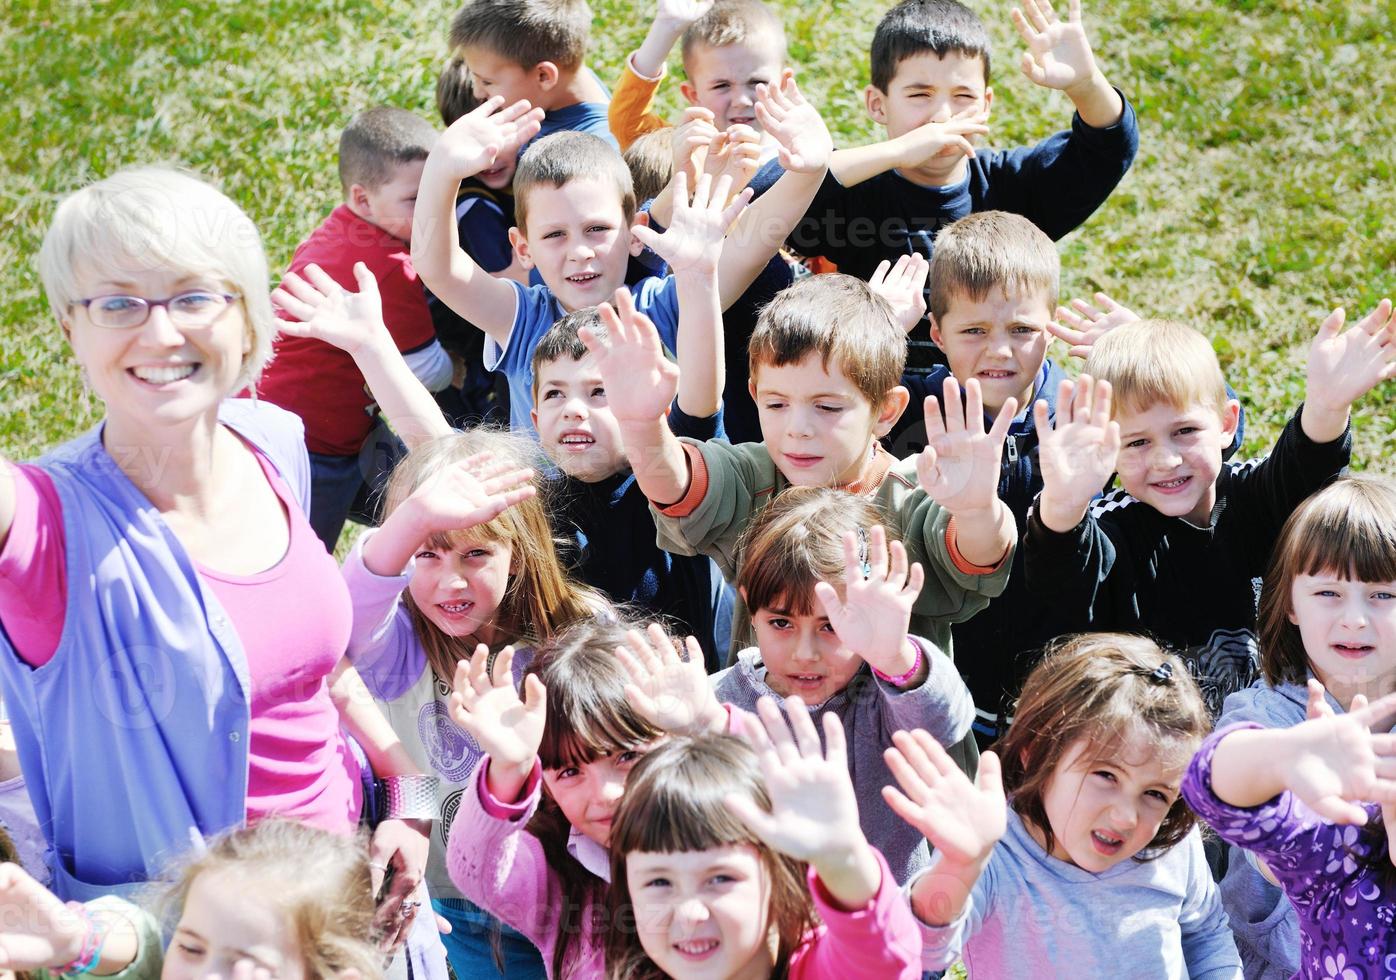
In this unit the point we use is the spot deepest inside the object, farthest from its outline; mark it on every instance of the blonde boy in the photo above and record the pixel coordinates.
(826, 359)
(574, 203)
(1175, 551)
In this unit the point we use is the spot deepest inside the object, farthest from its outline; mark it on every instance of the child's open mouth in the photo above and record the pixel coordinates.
(1172, 486)
(697, 949)
(1106, 843)
(1352, 651)
(455, 608)
(575, 441)
(583, 278)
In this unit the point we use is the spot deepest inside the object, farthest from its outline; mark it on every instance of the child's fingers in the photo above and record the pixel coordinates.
(663, 644)
(322, 280)
(500, 671)
(935, 754)
(906, 776)
(738, 205)
(637, 647)
(777, 732)
(368, 282)
(282, 299)
(1087, 310)
(974, 406)
(1101, 415)
(1025, 30)
(903, 807)
(835, 742)
(879, 275)
(761, 823)
(1331, 325)
(990, 777)
(1378, 710)
(915, 579)
(1061, 331)
(918, 757)
(877, 554)
(927, 470)
(1317, 706)
(1335, 809)
(935, 418)
(952, 406)
(998, 432)
(535, 698)
(828, 598)
(1073, 11)
(1040, 419)
(1374, 321)
(802, 728)
(693, 651)
(897, 565)
(642, 703)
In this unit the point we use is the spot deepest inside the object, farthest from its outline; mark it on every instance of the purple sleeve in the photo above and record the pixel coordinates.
(33, 567)
(383, 644)
(879, 940)
(1297, 844)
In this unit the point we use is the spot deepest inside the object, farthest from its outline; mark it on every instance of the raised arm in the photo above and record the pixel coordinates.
(1059, 56)
(954, 137)
(507, 727)
(353, 322)
(1343, 366)
(805, 147)
(640, 387)
(692, 246)
(468, 146)
(671, 19)
(1078, 456)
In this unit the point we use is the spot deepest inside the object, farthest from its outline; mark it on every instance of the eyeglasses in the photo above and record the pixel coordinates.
(195, 308)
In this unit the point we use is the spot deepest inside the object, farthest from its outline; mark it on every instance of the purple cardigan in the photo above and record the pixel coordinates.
(1343, 892)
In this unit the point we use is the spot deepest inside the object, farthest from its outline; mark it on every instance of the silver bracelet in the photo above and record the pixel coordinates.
(408, 797)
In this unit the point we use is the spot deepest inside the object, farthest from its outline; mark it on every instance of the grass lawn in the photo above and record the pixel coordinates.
(1258, 200)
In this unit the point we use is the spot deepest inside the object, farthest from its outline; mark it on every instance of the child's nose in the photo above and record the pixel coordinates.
(800, 423)
(691, 911)
(1355, 611)
(575, 408)
(1124, 816)
(582, 251)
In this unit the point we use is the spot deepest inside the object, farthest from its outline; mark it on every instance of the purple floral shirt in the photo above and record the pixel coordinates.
(1345, 896)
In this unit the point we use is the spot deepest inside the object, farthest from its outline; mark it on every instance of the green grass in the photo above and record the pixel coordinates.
(1258, 200)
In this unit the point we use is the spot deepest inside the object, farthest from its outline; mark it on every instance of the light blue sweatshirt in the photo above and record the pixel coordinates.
(1031, 915)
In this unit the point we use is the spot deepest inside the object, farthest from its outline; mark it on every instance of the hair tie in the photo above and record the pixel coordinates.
(863, 552)
(1162, 674)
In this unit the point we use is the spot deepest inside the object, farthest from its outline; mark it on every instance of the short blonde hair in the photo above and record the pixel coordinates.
(149, 217)
(567, 155)
(730, 22)
(991, 250)
(1155, 362)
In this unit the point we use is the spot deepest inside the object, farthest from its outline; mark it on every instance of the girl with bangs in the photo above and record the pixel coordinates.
(529, 842)
(463, 563)
(1327, 614)
(1075, 854)
(732, 863)
(831, 601)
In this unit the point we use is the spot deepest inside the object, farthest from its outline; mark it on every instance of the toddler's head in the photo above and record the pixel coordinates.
(576, 426)
(735, 46)
(1329, 600)
(692, 888)
(793, 544)
(930, 62)
(993, 289)
(1175, 418)
(494, 583)
(522, 49)
(1094, 762)
(381, 155)
(826, 361)
(574, 202)
(294, 899)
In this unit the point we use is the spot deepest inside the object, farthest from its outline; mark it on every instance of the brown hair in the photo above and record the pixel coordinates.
(318, 882)
(1102, 687)
(730, 22)
(455, 91)
(795, 542)
(562, 341)
(915, 27)
(1347, 529)
(992, 250)
(674, 802)
(562, 157)
(839, 319)
(379, 140)
(526, 32)
(1158, 362)
(651, 161)
(540, 598)
(588, 716)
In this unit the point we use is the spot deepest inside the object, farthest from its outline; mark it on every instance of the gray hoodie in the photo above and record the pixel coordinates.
(871, 710)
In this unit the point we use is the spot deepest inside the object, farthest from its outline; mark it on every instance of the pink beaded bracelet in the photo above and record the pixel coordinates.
(92, 942)
(901, 679)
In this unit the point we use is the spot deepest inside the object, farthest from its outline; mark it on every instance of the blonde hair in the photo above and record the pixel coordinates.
(526, 32)
(730, 22)
(1102, 687)
(992, 250)
(1158, 362)
(317, 881)
(795, 542)
(675, 802)
(1347, 529)
(838, 319)
(154, 217)
(567, 155)
(540, 598)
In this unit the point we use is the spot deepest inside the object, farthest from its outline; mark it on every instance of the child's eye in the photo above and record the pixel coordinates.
(1024, 329)
(1136, 443)
(424, 555)
(657, 883)
(1104, 774)
(1384, 595)
(1160, 796)
(551, 393)
(189, 950)
(721, 879)
(599, 229)
(774, 406)
(831, 409)
(719, 86)
(629, 757)
(567, 772)
(598, 393)
(476, 553)
(553, 234)
(778, 623)
(826, 627)
(1187, 430)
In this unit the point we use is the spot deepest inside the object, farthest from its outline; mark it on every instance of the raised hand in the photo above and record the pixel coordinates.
(735, 153)
(640, 381)
(1059, 53)
(959, 468)
(690, 142)
(325, 310)
(795, 125)
(1078, 456)
(951, 138)
(814, 813)
(681, 13)
(484, 703)
(1346, 364)
(471, 143)
(1084, 324)
(963, 820)
(468, 493)
(37, 931)
(878, 593)
(903, 286)
(667, 689)
(1334, 762)
(693, 241)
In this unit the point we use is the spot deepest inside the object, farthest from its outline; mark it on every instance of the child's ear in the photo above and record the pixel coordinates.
(937, 337)
(875, 101)
(689, 92)
(547, 74)
(636, 246)
(533, 413)
(1230, 419)
(358, 200)
(893, 405)
(988, 100)
(520, 243)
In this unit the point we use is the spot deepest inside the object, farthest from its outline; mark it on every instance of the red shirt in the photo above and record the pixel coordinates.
(319, 382)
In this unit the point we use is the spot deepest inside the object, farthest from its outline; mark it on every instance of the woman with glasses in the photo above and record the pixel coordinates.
(171, 630)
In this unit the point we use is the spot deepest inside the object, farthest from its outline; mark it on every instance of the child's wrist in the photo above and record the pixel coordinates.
(900, 670)
(1060, 517)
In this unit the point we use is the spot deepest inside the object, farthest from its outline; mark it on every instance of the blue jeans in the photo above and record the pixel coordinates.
(471, 942)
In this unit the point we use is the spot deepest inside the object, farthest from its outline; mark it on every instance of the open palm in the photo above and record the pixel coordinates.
(640, 381)
(484, 703)
(963, 820)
